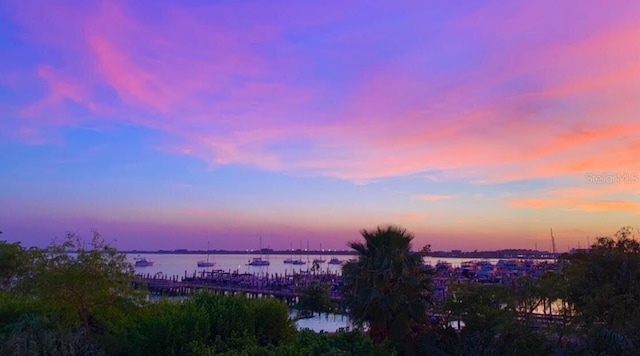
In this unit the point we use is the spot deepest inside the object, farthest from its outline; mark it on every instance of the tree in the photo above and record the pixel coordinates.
(482, 308)
(388, 286)
(603, 287)
(13, 262)
(553, 289)
(315, 298)
(90, 284)
(210, 324)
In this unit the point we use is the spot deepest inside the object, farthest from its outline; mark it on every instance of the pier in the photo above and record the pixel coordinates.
(286, 287)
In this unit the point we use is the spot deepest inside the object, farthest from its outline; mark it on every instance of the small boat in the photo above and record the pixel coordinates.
(206, 263)
(258, 261)
(297, 262)
(334, 261)
(143, 262)
(319, 259)
(290, 259)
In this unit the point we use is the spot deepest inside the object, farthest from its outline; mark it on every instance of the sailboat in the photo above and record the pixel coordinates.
(299, 261)
(290, 259)
(319, 259)
(258, 261)
(334, 261)
(206, 263)
(143, 262)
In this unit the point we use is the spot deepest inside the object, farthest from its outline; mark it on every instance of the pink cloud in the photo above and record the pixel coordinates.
(59, 90)
(555, 130)
(537, 103)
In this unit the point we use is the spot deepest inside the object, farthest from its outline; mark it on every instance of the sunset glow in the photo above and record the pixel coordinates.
(475, 125)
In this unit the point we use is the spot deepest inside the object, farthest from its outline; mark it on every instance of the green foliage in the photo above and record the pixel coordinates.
(35, 334)
(485, 309)
(497, 319)
(167, 328)
(91, 288)
(388, 286)
(603, 287)
(344, 343)
(210, 323)
(77, 298)
(58, 303)
(309, 343)
(315, 298)
(272, 323)
(13, 263)
(27, 327)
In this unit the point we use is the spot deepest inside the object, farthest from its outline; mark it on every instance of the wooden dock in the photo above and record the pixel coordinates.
(251, 286)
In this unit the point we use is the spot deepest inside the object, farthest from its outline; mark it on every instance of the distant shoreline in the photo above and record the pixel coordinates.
(499, 254)
(243, 252)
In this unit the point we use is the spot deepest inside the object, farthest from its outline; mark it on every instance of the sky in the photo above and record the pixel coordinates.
(472, 124)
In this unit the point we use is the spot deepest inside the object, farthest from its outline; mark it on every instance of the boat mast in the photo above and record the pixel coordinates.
(308, 255)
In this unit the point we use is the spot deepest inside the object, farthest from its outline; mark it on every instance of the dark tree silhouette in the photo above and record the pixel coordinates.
(388, 286)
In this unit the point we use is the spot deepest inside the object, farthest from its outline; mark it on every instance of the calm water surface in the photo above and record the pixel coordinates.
(178, 265)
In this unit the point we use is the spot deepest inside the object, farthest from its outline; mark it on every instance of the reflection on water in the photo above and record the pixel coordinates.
(456, 324)
(554, 308)
(324, 322)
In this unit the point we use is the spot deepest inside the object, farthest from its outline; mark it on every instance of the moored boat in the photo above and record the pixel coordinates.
(258, 261)
(206, 263)
(290, 260)
(143, 262)
(319, 259)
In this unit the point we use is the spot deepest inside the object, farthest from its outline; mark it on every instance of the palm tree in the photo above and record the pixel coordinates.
(388, 286)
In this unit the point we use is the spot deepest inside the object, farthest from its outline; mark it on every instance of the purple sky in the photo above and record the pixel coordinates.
(475, 125)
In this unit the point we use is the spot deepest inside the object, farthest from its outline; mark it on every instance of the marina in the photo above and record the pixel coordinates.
(287, 286)
(284, 280)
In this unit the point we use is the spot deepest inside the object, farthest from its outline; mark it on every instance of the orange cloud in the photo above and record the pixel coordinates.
(593, 197)
(579, 205)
